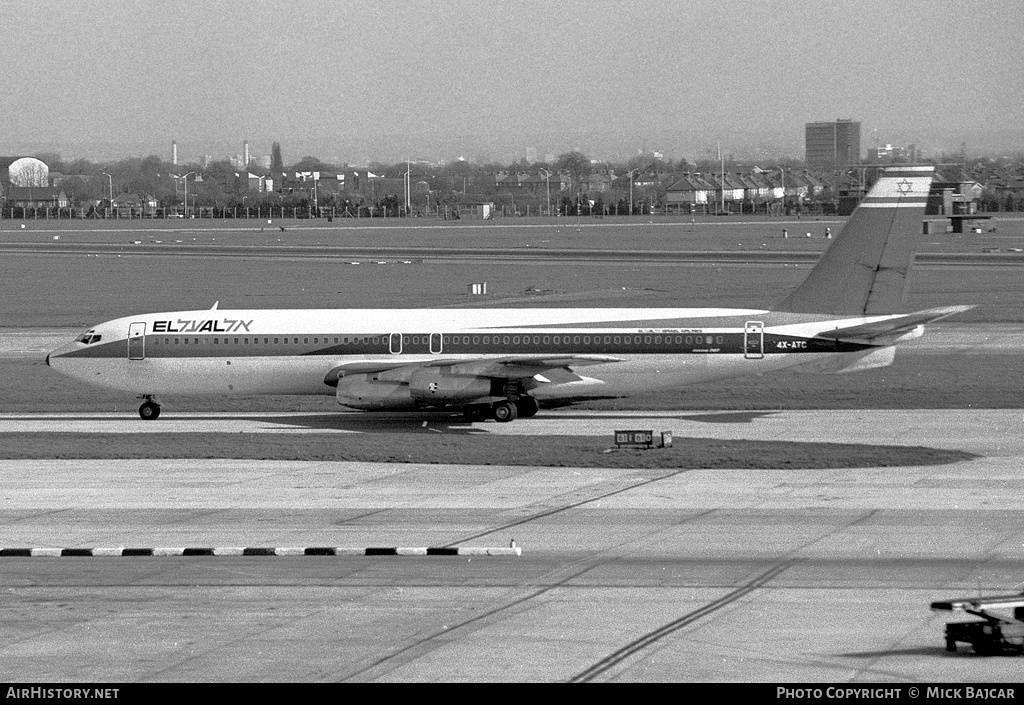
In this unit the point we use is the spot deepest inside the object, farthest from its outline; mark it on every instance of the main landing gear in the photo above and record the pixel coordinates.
(503, 411)
(149, 410)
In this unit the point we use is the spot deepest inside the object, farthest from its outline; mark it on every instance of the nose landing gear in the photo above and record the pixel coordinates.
(149, 410)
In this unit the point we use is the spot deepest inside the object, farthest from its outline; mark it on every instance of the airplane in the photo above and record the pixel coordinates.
(502, 363)
(996, 634)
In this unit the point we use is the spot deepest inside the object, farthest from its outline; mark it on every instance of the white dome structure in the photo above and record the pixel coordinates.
(25, 171)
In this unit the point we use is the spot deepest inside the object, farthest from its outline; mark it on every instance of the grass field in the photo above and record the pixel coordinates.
(654, 233)
(475, 449)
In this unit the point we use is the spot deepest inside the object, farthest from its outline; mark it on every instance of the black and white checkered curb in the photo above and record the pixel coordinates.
(259, 551)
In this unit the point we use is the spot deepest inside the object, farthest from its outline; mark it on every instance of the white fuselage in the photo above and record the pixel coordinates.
(602, 352)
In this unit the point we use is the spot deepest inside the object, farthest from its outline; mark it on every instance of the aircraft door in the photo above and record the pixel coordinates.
(753, 340)
(395, 343)
(435, 343)
(137, 341)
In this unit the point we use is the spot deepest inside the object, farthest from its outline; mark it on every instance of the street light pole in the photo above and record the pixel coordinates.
(110, 179)
(630, 175)
(722, 157)
(782, 171)
(184, 179)
(547, 176)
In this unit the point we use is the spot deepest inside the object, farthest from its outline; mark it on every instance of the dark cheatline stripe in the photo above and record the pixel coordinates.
(444, 551)
(320, 551)
(76, 552)
(382, 552)
(137, 552)
(257, 551)
(197, 552)
(674, 343)
(16, 552)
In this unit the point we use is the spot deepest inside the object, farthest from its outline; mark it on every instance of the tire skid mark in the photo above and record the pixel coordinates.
(659, 476)
(421, 647)
(652, 638)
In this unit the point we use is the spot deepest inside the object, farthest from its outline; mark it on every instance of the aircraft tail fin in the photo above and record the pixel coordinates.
(867, 268)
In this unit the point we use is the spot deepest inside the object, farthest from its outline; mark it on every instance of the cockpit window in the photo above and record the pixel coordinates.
(89, 338)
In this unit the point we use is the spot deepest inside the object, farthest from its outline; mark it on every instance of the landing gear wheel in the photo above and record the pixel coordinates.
(527, 407)
(149, 411)
(504, 412)
(474, 413)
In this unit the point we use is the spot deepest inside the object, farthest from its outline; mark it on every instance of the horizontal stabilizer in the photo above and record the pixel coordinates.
(891, 327)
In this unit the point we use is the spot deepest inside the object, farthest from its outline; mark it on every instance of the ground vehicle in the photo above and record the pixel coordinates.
(997, 634)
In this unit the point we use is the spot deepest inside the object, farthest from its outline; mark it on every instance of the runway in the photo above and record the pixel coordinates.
(627, 575)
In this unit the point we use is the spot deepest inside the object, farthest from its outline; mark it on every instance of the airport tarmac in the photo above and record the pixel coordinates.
(625, 575)
(671, 574)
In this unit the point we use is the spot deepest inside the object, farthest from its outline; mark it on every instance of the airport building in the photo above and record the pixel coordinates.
(832, 143)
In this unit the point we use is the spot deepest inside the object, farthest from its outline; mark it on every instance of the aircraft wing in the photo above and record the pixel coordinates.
(977, 604)
(553, 368)
(520, 365)
(891, 328)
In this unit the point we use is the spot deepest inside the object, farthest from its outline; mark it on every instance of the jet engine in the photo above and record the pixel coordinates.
(367, 392)
(425, 387)
(431, 386)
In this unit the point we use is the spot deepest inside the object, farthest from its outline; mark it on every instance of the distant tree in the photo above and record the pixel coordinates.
(52, 160)
(390, 204)
(576, 165)
(311, 164)
(276, 162)
(220, 169)
(153, 165)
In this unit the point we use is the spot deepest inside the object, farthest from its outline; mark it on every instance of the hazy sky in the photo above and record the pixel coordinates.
(443, 78)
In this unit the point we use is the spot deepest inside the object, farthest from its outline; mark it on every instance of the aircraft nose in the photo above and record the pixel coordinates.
(56, 353)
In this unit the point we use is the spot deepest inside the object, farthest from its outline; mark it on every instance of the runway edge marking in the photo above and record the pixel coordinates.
(261, 551)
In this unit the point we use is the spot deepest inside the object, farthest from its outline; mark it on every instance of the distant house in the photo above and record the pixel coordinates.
(764, 189)
(727, 189)
(132, 205)
(257, 182)
(598, 183)
(691, 190)
(816, 185)
(795, 186)
(35, 197)
(552, 182)
(511, 182)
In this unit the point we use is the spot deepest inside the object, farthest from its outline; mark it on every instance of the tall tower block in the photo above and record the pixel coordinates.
(832, 143)
(174, 153)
